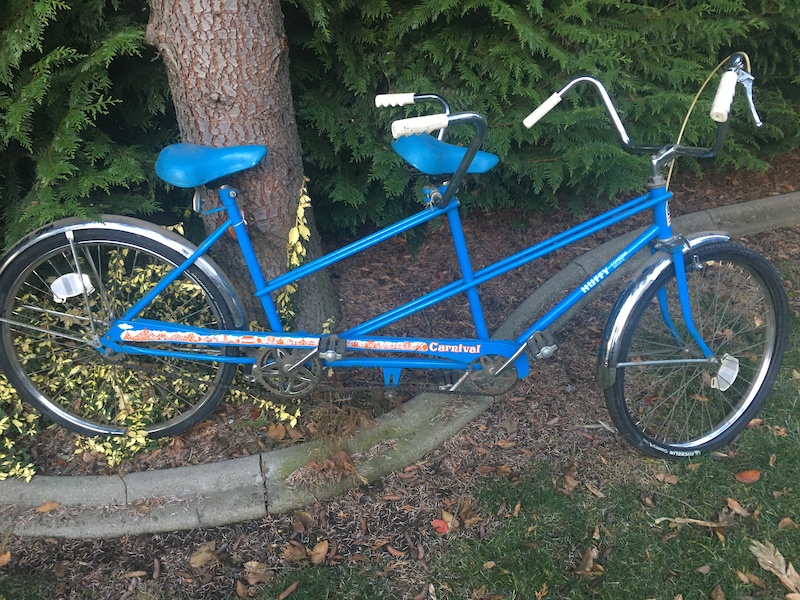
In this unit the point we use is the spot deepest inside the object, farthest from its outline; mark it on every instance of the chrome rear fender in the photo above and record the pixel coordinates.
(655, 266)
(143, 229)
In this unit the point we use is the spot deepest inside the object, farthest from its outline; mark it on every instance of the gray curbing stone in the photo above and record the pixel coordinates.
(398, 439)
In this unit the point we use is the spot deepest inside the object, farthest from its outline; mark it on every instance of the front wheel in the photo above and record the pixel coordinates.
(667, 399)
(58, 298)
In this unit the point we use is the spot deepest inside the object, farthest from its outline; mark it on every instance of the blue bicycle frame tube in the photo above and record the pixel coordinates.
(354, 248)
(576, 295)
(467, 276)
(686, 305)
(228, 198)
(460, 351)
(170, 277)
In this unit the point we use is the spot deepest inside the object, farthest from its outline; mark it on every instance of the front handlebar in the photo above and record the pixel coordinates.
(735, 72)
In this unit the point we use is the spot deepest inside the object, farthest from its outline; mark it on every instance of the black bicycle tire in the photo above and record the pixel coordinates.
(37, 254)
(776, 303)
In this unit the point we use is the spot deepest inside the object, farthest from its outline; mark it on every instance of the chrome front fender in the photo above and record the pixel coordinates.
(655, 266)
(142, 229)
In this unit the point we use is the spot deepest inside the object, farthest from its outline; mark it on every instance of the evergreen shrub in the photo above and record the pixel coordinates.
(502, 58)
(69, 146)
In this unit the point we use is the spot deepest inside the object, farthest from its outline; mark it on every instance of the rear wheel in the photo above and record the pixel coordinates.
(667, 400)
(50, 335)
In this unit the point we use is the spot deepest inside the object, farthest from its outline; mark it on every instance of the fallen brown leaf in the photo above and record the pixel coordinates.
(132, 574)
(503, 470)
(478, 593)
(424, 593)
(570, 479)
(737, 508)
(395, 552)
(277, 431)
(770, 558)
(667, 478)
(5, 558)
(787, 523)
(319, 552)
(703, 570)
(48, 507)
(241, 589)
(256, 572)
(717, 593)
(594, 490)
(542, 592)
(587, 563)
(285, 593)
(749, 476)
(440, 526)
(203, 555)
(505, 444)
(751, 579)
(294, 551)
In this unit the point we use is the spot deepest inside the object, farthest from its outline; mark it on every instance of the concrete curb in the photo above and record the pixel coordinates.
(249, 488)
(231, 491)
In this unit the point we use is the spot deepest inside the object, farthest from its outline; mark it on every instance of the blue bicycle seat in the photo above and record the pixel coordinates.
(192, 165)
(435, 157)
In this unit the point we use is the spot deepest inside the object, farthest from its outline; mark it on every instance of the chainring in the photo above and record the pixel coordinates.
(287, 373)
(484, 378)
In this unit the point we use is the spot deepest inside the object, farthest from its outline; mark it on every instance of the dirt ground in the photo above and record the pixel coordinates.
(556, 414)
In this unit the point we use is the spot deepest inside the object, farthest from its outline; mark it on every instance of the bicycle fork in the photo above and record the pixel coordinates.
(728, 366)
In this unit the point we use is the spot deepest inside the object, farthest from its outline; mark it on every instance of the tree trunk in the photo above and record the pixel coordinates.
(228, 68)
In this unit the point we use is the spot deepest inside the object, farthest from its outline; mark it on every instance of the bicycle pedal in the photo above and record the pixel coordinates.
(445, 380)
(332, 348)
(542, 345)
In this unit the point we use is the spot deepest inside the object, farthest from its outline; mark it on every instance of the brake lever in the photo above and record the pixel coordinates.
(746, 80)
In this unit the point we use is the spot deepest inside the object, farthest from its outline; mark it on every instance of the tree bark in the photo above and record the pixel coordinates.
(228, 68)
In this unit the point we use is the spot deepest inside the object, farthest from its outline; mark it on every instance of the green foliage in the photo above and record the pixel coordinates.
(502, 58)
(16, 423)
(68, 143)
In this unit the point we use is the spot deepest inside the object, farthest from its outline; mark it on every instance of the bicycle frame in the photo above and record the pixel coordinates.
(451, 354)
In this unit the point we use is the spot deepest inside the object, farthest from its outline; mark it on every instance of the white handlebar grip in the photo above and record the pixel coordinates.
(394, 99)
(724, 98)
(413, 125)
(544, 108)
